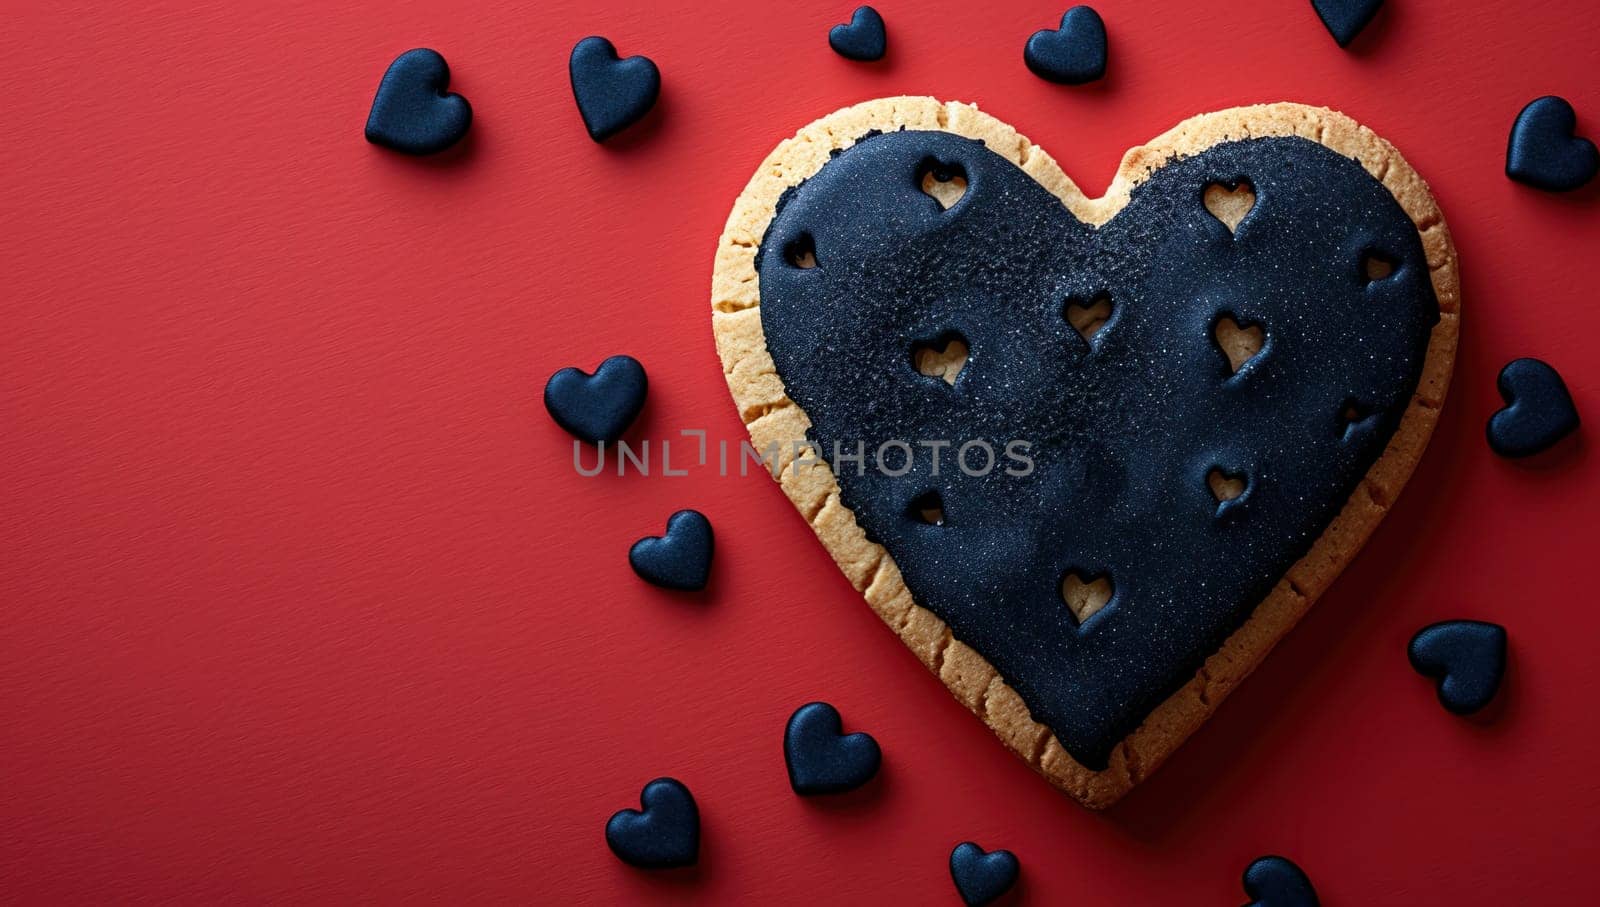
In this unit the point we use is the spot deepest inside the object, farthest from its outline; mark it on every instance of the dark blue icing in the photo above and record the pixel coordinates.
(1346, 18)
(597, 407)
(1072, 54)
(1468, 658)
(1277, 882)
(666, 833)
(612, 94)
(1544, 153)
(680, 559)
(821, 759)
(982, 877)
(864, 38)
(1538, 411)
(1124, 429)
(412, 113)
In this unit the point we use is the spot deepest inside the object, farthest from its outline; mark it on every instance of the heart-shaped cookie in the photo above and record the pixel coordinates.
(1176, 421)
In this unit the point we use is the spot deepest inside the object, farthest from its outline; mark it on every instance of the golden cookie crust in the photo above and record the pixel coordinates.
(771, 416)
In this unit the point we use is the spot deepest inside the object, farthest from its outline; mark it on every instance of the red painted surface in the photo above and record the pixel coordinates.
(303, 600)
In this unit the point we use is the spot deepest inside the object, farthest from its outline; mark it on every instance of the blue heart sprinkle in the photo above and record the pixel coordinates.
(412, 113)
(597, 407)
(1543, 151)
(680, 559)
(821, 759)
(862, 39)
(666, 833)
(1072, 54)
(1468, 657)
(1276, 882)
(982, 877)
(612, 94)
(1538, 412)
(1346, 18)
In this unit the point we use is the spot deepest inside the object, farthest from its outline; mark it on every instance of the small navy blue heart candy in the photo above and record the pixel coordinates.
(1467, 656)
(821, 759)
(412, 112)
(982, 877)
(1277, 882)
(680, 559)
(862, 39)
(1072, 54)
(597, 407)
(1346, 18)
(666, 833)
(1543, 150)
(1538, 412)
(612, 94)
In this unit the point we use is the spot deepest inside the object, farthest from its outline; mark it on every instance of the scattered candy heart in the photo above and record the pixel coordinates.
(821, 759)
(1538, 411)
(862, 39)
(1346, 18)
(612, 94)
(665, 834)
(412, 113)
(982, 877)
(1072, 54)
(680, 559)
(1467, 656)
(597, 407)
(1544, 152)
(1276, 882)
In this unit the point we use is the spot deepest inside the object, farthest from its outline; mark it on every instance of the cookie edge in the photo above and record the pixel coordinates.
(771, 416)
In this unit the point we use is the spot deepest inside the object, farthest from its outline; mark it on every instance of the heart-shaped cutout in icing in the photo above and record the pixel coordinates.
(945, 185)
(1230, 202)
(1085, 596)
(1240, 343)
(1087, 318)
(1084, 440)
(943, 357)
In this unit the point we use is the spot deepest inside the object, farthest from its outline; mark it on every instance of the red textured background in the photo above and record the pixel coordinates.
(301, 599)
